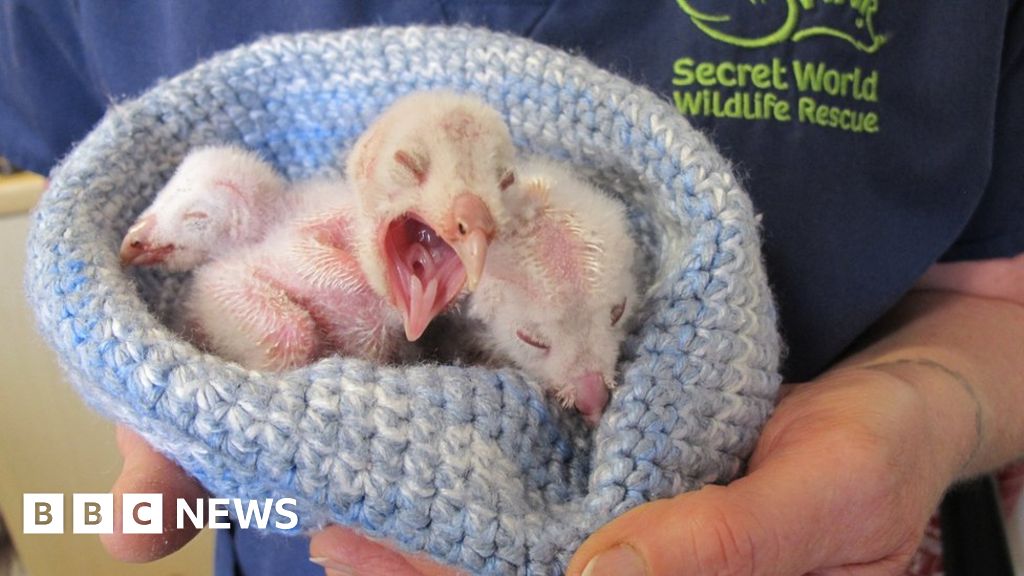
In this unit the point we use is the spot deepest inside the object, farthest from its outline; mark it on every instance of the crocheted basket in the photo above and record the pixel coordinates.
(473, 466)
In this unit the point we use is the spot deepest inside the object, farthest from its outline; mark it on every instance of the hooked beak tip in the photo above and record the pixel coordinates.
(130, 251)
(472, 251)
(136, 241)
(591, 397)
(476, 226)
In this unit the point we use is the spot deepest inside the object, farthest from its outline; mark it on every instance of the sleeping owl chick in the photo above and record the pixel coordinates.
(219, 197)
(557, 291)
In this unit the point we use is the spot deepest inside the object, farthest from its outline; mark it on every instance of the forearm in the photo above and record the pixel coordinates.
(965, 356)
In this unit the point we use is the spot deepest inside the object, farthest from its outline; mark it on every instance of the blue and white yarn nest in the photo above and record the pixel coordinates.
(472, 466)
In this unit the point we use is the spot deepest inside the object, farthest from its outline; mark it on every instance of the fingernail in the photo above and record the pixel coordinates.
(333, 567)
(622, 560)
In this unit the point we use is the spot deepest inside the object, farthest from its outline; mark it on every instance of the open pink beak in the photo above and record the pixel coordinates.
(424, 274)
(427, 269)
(137, 248)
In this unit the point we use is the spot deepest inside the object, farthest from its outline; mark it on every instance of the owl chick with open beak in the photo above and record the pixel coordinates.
(430, 174)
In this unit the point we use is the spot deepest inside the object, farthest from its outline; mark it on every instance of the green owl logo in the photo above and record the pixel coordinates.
(851, 21)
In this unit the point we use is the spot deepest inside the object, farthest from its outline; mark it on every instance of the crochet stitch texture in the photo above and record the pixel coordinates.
(470, 465)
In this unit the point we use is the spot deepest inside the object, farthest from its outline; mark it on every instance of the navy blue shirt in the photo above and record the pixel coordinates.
(875, 137)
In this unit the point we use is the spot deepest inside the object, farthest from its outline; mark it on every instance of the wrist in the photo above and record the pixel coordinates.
(952, 413)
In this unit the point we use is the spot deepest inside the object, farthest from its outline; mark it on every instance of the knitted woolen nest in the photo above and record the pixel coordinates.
(473, 466)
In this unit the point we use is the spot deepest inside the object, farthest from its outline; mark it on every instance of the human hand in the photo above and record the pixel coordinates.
(843, 480)
(345, 552)
(147, 471)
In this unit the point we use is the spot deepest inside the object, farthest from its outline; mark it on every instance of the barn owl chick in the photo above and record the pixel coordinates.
(219, 197)
(430, 173)
(297, 295)
(557, 292)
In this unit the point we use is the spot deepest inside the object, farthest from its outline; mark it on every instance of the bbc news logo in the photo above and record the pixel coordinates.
(144, 513)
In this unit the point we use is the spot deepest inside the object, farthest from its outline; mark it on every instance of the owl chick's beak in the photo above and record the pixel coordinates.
(470, 233)
(591, 396)
(424, 273)
(138, 248)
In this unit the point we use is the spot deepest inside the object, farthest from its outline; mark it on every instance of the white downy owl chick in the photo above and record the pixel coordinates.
(218, 198)
(430, 173)
(557, 291)
(297, 295)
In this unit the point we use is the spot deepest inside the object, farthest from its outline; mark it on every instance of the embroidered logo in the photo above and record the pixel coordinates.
(757, 87)
(852, 21)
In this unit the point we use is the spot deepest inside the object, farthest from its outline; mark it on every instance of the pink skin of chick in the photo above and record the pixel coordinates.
(430, 174)
(218, 198)
(558, 291)
(298, 295)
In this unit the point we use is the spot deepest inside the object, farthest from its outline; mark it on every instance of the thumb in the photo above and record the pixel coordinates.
(146, 471)
(342, 551)
(762, 523)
